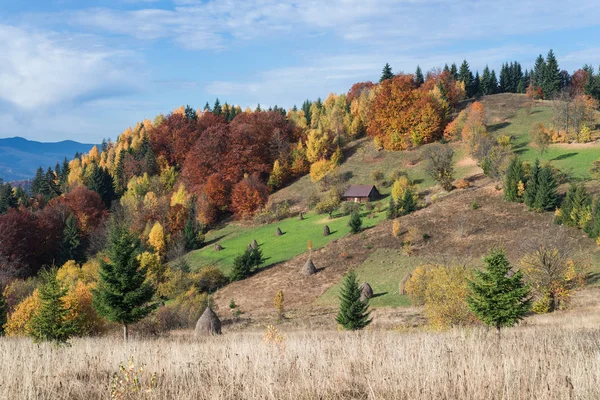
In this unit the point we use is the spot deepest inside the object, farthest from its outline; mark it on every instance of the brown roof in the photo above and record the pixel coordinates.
(359, 191)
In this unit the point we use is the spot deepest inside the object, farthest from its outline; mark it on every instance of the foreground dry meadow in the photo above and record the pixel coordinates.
(550, 357)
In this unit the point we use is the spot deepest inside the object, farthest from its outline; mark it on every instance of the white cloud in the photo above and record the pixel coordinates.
(46, 69)
(213, 24)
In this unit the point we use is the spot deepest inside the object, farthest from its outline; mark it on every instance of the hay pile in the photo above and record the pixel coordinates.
(326, 231)
(208, 324)
(218, 247)
(309, 268)
(278, 232)
(366, 292)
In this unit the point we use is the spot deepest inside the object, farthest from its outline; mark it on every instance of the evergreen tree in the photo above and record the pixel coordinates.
(119, 177)
(593, 226)
(207, 107)
(454, 71)
(50, 188)
(306, 108)
(71, 245)
(531, 189)
(466, 76)
(539, 72)
(546, 197)
(246, 263)
(419, 79)
(3, 311)
(147, 155)
(407, 203)
(446, 68)
(50, 322)
(551, 82)
(38, 182)
(64, 172)
(353, 313)
(190, 113)
(258, 109)
(498, 298)
(217, 107)
(525, 82)
(102, 183)
(486, 81)
(477, 85)
(493, 83)
(355, 222)
(504, 79)
(386, 73)
(514, 176)
(123, 293)
(191, 234)
(392, 210)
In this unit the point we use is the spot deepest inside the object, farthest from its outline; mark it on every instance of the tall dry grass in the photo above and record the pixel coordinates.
(530, 362)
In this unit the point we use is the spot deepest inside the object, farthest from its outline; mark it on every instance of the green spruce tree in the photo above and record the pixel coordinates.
(551, 82)
(355, 222)
(50, 323)
(498, 296)
(123, 294)
(545, 197)
(407, 203)
(71, 245)
(386, 73)
(353, 313)
(419, 79)
(531, 188)
(514, 176)
(392, 210)
(246, 263)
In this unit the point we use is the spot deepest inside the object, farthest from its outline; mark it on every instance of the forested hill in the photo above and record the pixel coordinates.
(19, 157)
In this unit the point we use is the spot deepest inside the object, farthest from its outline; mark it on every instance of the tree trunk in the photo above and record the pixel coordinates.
(125, 332)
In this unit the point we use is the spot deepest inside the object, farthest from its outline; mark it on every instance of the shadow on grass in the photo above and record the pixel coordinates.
(564, 156)
(213, 241)
(593, 277)
(498, 126)
(379, 294)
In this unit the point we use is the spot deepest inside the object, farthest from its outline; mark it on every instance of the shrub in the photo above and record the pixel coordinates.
(355, 222)
(462, 184)
(377, 175)
(440, 164)
(474, 205)
(350, 207)
(210, 279)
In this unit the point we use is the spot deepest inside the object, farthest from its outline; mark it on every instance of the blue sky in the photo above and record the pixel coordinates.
(87, 69)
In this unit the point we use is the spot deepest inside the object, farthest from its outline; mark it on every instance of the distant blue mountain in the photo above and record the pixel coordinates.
(20, 158)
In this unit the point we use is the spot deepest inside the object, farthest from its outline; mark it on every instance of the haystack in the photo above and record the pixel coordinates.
(250, 247)
(208, 324)
(309, 268)
(326, 231)
(218, 247)
(300, 216)
(278, 232)
(366, 292)
(254, 244)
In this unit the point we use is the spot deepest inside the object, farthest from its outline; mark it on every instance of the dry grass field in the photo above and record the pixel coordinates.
(548, 357)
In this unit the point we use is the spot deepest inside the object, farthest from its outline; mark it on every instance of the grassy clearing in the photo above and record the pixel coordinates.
(574, 159)
(235, 239)
(383, 270)
(552, 357)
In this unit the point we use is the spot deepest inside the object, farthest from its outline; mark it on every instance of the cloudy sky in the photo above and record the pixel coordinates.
(87, 69)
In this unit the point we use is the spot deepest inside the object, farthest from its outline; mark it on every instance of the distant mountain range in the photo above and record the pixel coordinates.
(20, 158)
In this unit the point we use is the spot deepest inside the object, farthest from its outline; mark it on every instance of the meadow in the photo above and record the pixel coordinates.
(550, 357)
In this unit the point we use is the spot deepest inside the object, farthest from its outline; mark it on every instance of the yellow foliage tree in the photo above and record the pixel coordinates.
(317, 145)
(396, 228)
(279, 303)
(79, 302)
(320, 169)
(69, 274)
(157, 270)
(181, 196)
(19, 321)
(399, 187)
(156, 238)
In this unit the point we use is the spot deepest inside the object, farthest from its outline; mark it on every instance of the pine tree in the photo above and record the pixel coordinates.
(419, 79)
(190, 113)
(386, 73)
(546, 197)
(454, 71)
(539, 72)
(217, 107)
(466, 76)
(64, 172)
(190, 235)
(246, 263)
(50, 323)
(593, 226)
(531, 189)
(123, 293)
(493, 83)
(355, 222)
(392, 210)
(477, 85)
(102, 183)
(119, 177)
(504, 78)
(3, 311)
(485, 81)
(38, 182)
(514, 175)
(446, 68)
(353, 313)
(71, 246)
(551, 82)
(407, 204)
(306, 108)
(498, 297)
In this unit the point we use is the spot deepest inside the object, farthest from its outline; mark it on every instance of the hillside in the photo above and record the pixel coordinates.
(19, 157)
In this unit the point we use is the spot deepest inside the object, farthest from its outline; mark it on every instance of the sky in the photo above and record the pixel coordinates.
(87, 69)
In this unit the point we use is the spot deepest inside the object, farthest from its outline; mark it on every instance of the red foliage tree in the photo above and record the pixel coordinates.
(86, 205)
(248, 196)
(173, 138)
(218, 191)
(357, 89)
(578, 82)
(206, 156)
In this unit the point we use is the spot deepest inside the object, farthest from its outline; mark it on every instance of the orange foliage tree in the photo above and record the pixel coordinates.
(248, 196)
